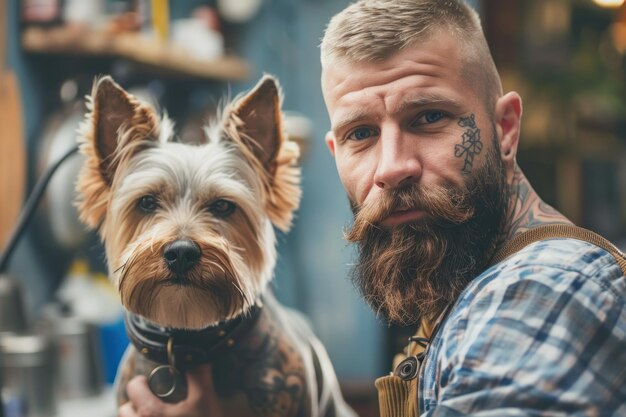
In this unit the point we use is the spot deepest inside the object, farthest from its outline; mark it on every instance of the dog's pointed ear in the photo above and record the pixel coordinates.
(260, 116)
(116, 127)
(112, 108)
(114, 112)
(255, 122)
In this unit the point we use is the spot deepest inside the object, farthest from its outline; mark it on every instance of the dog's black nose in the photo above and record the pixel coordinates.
(181, 255)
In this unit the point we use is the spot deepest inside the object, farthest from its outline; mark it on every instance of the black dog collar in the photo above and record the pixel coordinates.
(186, 349)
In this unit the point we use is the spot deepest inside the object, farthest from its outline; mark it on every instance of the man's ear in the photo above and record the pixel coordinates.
(330, 142)
(508, 118)
(260, 127)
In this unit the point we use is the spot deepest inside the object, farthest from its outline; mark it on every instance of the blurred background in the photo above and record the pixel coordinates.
(60, 321)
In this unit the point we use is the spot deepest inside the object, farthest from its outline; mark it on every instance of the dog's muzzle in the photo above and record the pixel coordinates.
(181, 255)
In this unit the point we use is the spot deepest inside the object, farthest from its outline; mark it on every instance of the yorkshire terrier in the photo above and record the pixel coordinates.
(188, 231)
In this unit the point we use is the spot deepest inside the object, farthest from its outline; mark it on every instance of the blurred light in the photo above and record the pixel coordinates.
(69, 91)
(609, 3)
(618, 32)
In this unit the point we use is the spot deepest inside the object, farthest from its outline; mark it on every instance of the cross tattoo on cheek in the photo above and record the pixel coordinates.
(471, 145)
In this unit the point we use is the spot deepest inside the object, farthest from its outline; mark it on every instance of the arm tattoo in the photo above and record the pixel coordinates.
(471, 145)
(270, 373)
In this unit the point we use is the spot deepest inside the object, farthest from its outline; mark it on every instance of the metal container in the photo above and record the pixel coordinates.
(28, 372)
(80, 371)
(12, 310)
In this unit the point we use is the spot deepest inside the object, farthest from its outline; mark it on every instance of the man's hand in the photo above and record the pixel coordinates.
(201, 401)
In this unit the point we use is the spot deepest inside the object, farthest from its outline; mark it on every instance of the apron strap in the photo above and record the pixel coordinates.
(555, 231)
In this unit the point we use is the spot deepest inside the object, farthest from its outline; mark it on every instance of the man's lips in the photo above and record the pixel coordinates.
(403, 216)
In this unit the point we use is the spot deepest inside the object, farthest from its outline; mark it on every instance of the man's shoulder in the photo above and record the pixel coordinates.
(562, 280)
(552, 314)
(549, 284)
(554, 263)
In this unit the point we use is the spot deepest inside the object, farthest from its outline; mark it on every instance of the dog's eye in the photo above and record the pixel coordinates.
(148, 203)
(222, 208)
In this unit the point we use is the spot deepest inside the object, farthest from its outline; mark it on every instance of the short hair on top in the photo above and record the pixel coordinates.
(374, 30)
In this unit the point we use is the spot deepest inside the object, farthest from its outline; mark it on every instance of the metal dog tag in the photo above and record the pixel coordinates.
(168, 384)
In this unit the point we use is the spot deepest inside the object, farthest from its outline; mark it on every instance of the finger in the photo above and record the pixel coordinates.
(126, 410)
(144, 402)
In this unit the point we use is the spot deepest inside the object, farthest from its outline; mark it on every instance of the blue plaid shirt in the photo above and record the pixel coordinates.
(542, 333)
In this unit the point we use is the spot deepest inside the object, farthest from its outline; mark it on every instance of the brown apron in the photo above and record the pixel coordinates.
(397, 396)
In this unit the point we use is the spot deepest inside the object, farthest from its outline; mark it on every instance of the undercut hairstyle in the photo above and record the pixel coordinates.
(375, 30)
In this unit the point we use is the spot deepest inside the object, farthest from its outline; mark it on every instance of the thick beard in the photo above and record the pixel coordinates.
(413, 271)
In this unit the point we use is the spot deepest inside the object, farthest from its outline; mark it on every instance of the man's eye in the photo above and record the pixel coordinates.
(148, 204)
(429, 117)
(222, 208)
(361, 133)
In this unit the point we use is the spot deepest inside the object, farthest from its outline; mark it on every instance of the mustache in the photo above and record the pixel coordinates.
(444, 204)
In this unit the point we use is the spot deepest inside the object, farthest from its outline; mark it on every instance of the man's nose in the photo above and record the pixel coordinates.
(398, 164)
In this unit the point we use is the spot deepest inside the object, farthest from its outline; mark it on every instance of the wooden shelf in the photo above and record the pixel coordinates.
(135, 48)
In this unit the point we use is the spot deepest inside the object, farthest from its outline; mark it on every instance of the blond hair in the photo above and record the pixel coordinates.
(374, 30)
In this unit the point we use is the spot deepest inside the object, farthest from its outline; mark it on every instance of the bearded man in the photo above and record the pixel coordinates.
(425, 145)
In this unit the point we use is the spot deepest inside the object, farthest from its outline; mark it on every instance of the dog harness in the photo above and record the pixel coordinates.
(178, 350)
(398, 392)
